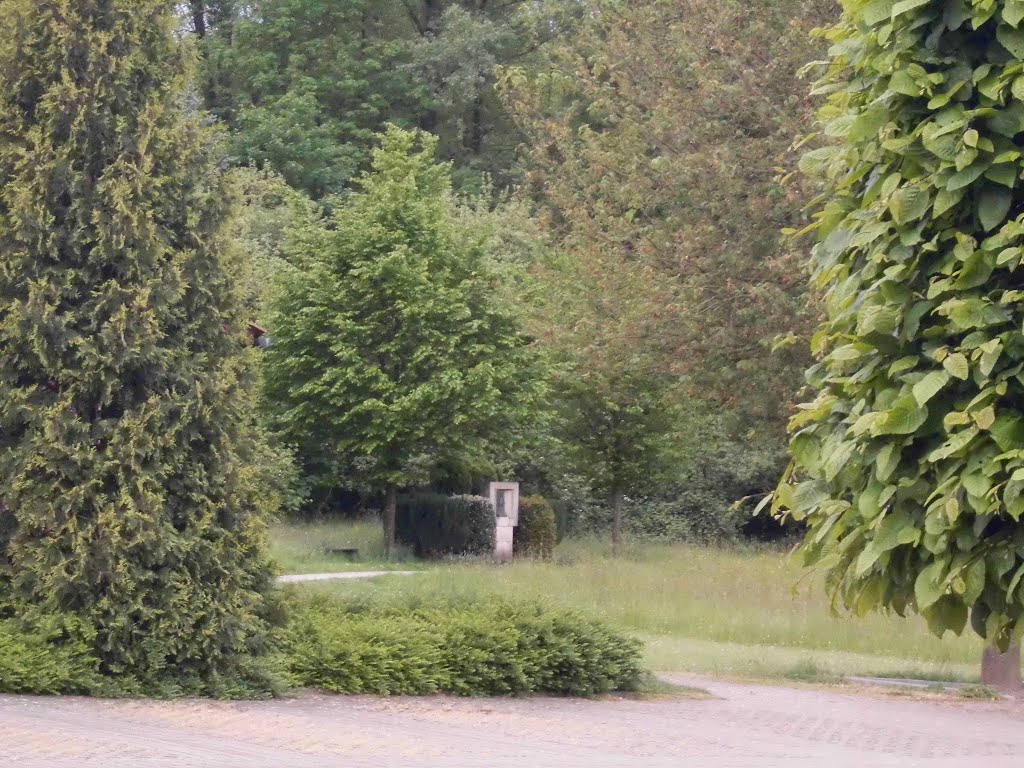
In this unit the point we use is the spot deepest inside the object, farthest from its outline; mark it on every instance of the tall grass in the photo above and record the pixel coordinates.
(304, 547)
(723, 611)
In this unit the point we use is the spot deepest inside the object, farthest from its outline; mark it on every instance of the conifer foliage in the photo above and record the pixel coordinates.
(126, 500)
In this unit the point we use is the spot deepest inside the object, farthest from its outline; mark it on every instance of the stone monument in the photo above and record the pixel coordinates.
(505, 500)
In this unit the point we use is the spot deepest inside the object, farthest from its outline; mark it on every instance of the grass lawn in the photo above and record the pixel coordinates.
(724, 612)
(302, 548)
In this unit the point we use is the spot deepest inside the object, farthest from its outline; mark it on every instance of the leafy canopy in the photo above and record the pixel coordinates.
(909, 463)
(391, 357)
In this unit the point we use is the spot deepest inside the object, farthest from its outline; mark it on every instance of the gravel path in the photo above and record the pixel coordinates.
(342, 575)
(762, 726)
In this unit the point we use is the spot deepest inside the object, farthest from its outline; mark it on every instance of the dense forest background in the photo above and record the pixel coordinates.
(623, 171)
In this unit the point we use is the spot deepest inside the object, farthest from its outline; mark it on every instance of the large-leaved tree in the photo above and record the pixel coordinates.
(909, 463)
(126, 499)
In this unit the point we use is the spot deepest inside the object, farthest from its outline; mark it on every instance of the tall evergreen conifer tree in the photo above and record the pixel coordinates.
(126, 500)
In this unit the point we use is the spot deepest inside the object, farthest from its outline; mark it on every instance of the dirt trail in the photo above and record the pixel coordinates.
(745, 725)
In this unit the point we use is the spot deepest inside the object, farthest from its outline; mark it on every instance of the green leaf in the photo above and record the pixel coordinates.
(1013, 12)
(948, 614)
(878, 11)
(974, 579)
(837, 459)
(896, 529)
(967, 176)
(1008, 432)
(1012, 40)
(887, 461)
(957, 366)
(902, 82)
(993, 205)
(809, 495)
(905, 6)
(930, 386)
(1004, 173)
(985, 418)
(1008, 255)
(930, 584)
(903, 418)
(909, 204)
(868, 124)
(956, 443)
(946, 199)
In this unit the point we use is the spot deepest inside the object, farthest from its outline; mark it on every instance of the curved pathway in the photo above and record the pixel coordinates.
(762, 726)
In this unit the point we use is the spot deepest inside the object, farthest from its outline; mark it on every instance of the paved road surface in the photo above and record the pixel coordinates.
(746, 725)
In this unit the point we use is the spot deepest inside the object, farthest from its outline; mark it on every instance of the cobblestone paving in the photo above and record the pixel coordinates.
(744, 725)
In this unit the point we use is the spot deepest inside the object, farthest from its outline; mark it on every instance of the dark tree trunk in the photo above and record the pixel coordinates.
(430, 19)
(431, 14)
(1001, 671)
(476, 127)
(390, 516)
(199, 17)
(618, 502)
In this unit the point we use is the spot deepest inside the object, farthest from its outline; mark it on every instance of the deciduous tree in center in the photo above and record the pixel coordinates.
(391, 356)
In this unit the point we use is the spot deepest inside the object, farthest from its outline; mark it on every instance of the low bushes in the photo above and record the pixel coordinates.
(701, 509)
(467, 648)
(435, 525)
(55, 658)
(537, 533)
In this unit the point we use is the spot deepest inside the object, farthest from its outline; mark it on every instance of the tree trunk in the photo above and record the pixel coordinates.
(476, 127)
(618, 501)
(199, 17)
(390, 514)
(430, 18)
(1001, 671)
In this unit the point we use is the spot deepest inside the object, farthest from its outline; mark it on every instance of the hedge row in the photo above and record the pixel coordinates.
(537, 533)
(478, 648)
(435, 525)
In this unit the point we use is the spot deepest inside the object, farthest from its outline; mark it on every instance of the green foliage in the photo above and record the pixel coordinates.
(435, 525)
(537, 532)
(909, 463)
(468, 648)
(701, 506)
(271, 214)
(129, 505)
(690, 516)
(305, 85)
(618, 428)
(391, 361)
(50, 659)
(656, 136)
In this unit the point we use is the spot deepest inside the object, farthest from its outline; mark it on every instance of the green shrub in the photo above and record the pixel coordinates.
(435, 525)
(466, 648)
(55, 658)
(701, 509)
(537, 533)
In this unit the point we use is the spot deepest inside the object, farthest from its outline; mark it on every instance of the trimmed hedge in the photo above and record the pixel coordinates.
(537, 532)
(435, 525)
(470, 649)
